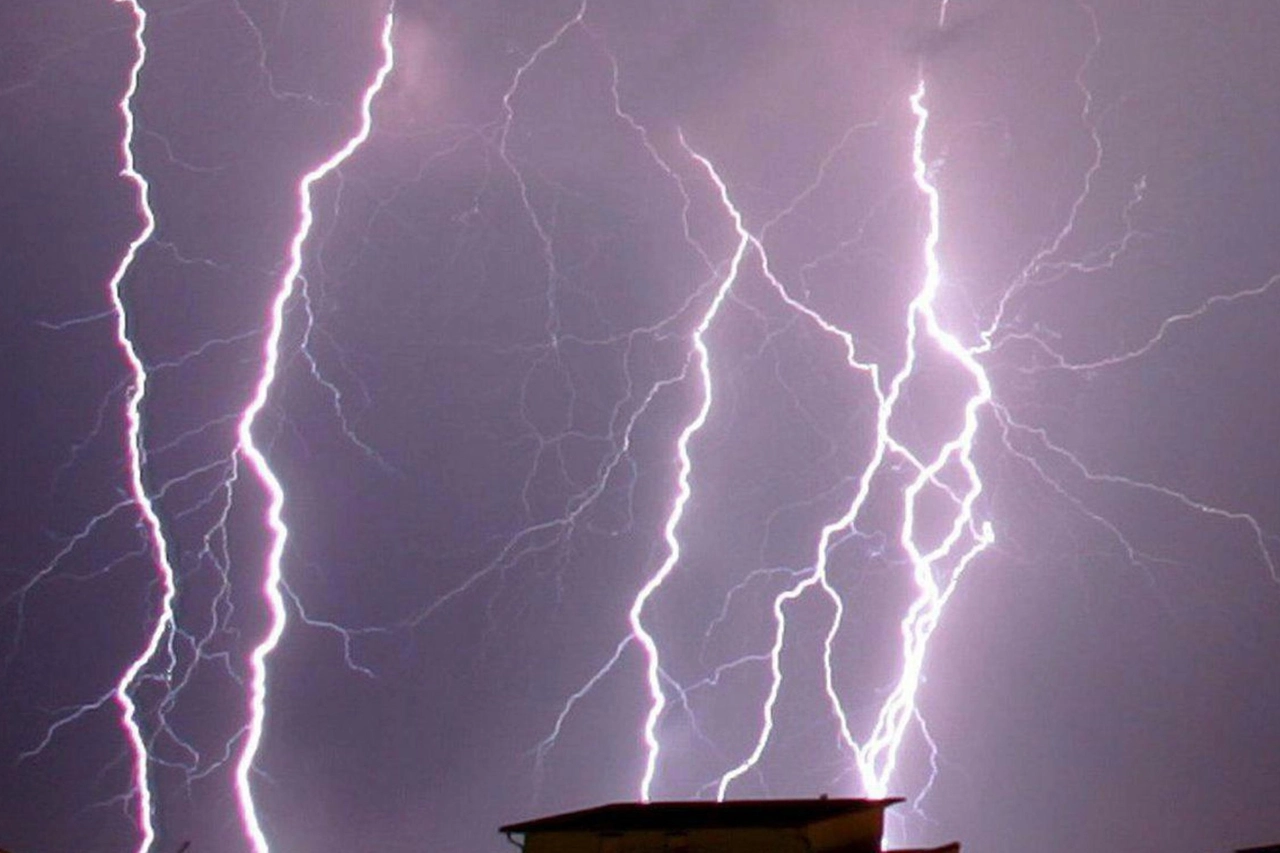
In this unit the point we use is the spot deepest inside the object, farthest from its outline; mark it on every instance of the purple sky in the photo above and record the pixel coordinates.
(491, 362)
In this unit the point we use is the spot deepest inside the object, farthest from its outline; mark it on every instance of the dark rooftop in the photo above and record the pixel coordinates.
(699, 814)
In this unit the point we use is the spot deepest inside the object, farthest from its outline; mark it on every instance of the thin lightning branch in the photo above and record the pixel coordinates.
(627, 411)
(919, 798)
(1265, 541)
(508, 109)
(540, 752)
(66, 717)
(18, 598)
(347, 635)
(1042, 258)
(257, 460)
(336, 397)
(1045, 266)
(1059, 361)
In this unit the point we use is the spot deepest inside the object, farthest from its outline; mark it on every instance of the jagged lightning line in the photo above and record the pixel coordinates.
(627, 412)
(336, 396)
(1217, 300)
(256, 459)
(936, 571)
(995, 336)
(818, 575)
(260, 42)
(19, 597)
(1265, 541)
(549, 533)
(877, 756)
(1043, 257)
(719, 282)
(702, 363)
(918, 625)
(345, 634)
(509, 114)
(135, 452)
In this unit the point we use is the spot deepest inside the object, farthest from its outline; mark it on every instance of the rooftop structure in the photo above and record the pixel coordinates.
(740, 826)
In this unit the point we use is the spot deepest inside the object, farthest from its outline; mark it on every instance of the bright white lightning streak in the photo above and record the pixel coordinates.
(818, 575)
(257, 460)
(136, 453)
(702, 356)
(877, 757)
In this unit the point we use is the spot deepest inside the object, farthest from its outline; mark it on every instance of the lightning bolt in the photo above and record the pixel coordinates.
(135, 452)
(967, 537)
(701, 364)
(586, 460)
(256, 459)
(919, 477)
(1047, 266)
(936, 570)
(938, 546)
(163, 630)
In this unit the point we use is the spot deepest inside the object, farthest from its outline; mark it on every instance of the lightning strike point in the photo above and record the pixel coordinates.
(702, 364)
(135, 452)
(256, 459)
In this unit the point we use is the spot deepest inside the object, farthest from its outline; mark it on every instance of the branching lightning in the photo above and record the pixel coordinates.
(936, 570)
(135, 452)
(920, 507)
(702, 366)
(170, 651)
(255, 457)
(950, 470)
(878, 756)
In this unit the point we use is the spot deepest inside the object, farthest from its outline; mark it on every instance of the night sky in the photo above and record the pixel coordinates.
(505, 474)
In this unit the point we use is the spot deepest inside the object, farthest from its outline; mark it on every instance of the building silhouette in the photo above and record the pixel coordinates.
(739, 826)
